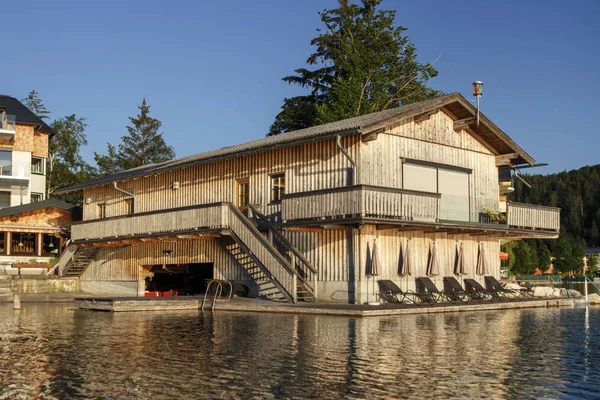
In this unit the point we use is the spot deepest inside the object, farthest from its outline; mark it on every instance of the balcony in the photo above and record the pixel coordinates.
(11, 178)
(181, 221)
(359, 202)
(8, 126)
(404, 208)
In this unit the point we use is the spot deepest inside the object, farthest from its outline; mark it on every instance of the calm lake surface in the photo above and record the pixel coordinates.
(54, 352)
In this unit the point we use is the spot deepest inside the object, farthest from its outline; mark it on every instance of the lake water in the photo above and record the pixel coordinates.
(54, 352)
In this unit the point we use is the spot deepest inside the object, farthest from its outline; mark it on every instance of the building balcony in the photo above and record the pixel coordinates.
(11, 178)
(413, 210)
(8, 126)
(185, 221)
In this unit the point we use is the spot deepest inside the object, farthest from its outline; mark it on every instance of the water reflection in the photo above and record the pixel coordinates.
(52, 351)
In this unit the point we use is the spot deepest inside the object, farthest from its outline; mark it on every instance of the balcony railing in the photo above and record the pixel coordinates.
(8, 122)
(361, 201)
(530, 216)
(209, 216)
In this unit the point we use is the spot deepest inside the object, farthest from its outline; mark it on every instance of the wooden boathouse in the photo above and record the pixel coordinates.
(296, 216)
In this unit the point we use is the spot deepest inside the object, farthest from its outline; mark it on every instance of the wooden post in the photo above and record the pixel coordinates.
(39, 243)
(8, 243)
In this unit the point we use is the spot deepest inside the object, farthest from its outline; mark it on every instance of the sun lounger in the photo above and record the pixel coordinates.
(391, 293)
(496, 288)
(453, 289)
(426, 286)
(477, 291)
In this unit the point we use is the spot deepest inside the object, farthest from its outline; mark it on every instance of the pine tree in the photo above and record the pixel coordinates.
(363, 64)
(35, 104)
(144, 145)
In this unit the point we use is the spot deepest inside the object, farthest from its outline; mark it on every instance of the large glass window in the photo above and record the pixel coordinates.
(277, 187)
(2, 242)
(37, 165)
(51, 245)
(4, 199)
(5, 162)
(23, 243)
(451, 182)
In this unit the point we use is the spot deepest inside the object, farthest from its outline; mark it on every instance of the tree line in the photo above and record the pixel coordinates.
(577, 194)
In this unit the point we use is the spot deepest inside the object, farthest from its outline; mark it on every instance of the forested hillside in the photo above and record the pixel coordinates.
(577, 193)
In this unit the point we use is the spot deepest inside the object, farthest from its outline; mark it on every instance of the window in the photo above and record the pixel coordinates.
(4, 199)
(37, 165)
(2, 242)
(50, 245)
(243, 193)
(128, 206)
(101, 210)
(277, 187)
(23, 243)
(451, 182)
(6, 163)
(35, 197)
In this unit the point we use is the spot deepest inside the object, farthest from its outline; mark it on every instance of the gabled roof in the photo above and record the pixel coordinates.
(454, 104)
(23, 114)
(38, 205)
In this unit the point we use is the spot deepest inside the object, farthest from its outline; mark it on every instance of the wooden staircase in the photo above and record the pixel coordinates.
(82, 258)
(267, 287)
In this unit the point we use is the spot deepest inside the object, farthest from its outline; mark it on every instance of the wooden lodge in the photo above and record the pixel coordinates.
(297, 216)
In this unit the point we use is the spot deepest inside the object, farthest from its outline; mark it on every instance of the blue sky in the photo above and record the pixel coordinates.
(212, 70)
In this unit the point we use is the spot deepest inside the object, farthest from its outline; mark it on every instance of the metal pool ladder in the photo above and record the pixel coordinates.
(218, 292)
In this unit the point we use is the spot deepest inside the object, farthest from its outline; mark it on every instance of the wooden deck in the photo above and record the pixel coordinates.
(132, 304)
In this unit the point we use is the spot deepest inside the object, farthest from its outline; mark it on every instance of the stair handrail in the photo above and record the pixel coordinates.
(273, 229)
(65, 257)
(268, 245)
(288, 292)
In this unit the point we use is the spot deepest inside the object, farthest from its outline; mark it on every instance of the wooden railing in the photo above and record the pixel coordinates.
(532, 217)
(210, 216)
(361, 201)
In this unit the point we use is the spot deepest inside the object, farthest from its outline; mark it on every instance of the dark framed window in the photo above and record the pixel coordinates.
(35, 197)
(2, 242)
(101, 210)
(50, 245)
(277, 187)
(129, 206)
(37, 165)
(243, 193)
(23, 243)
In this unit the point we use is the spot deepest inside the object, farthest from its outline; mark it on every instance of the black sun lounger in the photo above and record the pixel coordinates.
(454, 290)
(477, 291)
(426, 287)
(524, 292)
(391, 293)
(497, 289)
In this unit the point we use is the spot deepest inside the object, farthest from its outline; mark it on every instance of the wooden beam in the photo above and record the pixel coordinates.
(372, 135)
(504, 159)
(425, 116)
(461, 124)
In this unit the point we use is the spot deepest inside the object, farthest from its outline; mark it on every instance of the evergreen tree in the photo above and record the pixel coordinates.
(144, 145)
(363, 64)
(35, 104)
